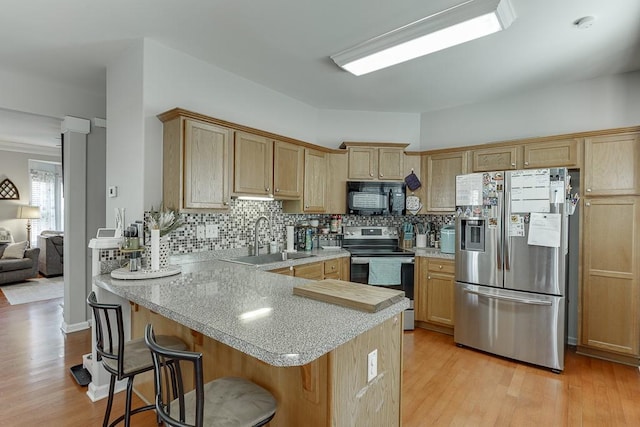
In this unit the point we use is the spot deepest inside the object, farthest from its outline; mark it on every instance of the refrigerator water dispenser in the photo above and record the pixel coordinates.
(472, 235)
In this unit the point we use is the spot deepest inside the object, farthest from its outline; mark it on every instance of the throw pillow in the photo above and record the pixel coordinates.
(15, 250)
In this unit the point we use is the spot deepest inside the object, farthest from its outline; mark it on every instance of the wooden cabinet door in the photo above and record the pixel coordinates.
(253, 163)
(345, 269)
(206, 166)
(441, 180)
(336, 201)
(390, 164)
(420, 289)
(315, 180)
(332, 269)
(611, 165)
(288, 165)
(313, 271)
(440, 291)
(363, 163)
(495, 159)
(610, 285)
(561, 153)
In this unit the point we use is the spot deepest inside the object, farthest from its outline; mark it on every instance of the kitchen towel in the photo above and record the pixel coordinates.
(385, 271)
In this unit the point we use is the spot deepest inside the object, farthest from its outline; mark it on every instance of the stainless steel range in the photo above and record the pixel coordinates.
(377, 260)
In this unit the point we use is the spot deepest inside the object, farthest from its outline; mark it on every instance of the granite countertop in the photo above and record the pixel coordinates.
(210, 296)
(432, 253)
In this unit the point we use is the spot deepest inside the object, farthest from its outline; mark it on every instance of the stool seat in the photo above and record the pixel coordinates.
(223, 402)
(230, 401)
(137, 356)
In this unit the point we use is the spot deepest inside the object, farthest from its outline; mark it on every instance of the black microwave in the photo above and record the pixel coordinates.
(376, 198)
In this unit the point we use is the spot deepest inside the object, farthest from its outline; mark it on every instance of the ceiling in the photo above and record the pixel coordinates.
(285, 45)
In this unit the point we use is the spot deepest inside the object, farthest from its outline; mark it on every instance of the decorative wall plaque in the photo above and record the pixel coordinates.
(8, 190)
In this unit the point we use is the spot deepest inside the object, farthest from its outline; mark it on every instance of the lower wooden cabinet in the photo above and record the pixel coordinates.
(336, 268)
(610, 312)
(434, 295)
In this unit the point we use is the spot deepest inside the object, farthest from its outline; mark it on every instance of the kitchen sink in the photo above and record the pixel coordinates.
(268, 258)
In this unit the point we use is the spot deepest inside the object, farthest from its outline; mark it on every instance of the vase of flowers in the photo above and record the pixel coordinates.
(161, 223)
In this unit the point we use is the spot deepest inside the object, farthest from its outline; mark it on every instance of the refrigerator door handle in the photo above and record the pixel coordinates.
(499, 239)
(507, 232)
(510, 299)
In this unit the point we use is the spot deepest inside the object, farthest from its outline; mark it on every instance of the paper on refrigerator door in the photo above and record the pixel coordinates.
(516, 225)
(469, 190)
(544, 229)
(530, 191)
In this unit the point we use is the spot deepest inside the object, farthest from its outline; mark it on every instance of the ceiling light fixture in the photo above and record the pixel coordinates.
(459, 24)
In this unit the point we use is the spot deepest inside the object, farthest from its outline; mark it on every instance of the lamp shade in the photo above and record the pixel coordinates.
(28, 212)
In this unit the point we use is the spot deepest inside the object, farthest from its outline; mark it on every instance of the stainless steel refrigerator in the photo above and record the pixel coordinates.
(511, 255)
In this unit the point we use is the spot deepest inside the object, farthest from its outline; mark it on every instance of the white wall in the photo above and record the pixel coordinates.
(602, 103)
(125, 135)
(48, 97)
(337, 126)
(15, 166)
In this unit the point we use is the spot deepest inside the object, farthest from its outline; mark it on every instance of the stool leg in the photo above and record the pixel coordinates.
(127, 411)
(107, 414)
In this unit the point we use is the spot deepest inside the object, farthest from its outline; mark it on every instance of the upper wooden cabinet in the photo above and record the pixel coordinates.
(441, 179)
(494, 159)
(548, 154)
(611, 165)
(375, 161)
(265, 167)
(336, 199)
(253, 164)
(560, 153)
(315, 181)
(288, 160)
(195, 165)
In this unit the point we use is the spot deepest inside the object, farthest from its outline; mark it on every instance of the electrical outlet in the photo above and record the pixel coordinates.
(113, 191)
(212, 231)
(200, 232)
(372, 365)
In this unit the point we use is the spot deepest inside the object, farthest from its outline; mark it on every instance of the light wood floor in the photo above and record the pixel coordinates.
(443, 385)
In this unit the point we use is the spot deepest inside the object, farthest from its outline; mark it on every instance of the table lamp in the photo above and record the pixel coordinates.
(28, 213)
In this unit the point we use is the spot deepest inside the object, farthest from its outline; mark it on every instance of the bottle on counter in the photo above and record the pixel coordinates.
(308, 243)
(333, 225)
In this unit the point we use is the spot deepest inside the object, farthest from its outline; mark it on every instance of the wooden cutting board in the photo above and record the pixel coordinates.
(348, 294)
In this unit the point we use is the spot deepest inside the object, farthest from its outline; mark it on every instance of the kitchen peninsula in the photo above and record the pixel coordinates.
(311, 355)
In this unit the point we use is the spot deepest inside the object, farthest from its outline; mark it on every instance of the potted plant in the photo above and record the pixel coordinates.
(161, 223)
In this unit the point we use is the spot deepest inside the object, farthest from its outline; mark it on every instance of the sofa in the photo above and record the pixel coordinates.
(51, 260)
(14, 270)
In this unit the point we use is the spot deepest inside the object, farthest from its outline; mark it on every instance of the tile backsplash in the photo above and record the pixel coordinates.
(236, 227)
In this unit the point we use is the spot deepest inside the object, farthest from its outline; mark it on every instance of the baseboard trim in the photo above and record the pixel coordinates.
(74, 327)
(96, 393)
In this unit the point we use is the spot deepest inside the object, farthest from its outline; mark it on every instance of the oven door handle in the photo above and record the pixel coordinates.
(365, 260)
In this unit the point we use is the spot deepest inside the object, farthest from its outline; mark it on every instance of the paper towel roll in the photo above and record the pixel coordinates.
(290, 238)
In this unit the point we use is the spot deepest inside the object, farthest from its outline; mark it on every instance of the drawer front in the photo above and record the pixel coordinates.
(440, 266)
(332, 267)
(314, 271)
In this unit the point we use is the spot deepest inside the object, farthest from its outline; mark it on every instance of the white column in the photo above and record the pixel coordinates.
(74, 154)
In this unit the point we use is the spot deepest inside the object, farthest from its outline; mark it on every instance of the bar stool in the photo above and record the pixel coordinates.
(226, 401)
(122, 359)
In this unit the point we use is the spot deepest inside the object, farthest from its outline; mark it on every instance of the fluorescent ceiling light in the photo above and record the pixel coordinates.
(459, 24)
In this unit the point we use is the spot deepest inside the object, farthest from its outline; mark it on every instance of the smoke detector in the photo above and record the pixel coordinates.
(584, 22)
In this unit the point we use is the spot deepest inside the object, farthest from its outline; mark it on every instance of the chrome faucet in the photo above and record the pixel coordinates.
(256, 242)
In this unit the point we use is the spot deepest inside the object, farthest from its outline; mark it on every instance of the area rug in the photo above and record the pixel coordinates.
(34, 290)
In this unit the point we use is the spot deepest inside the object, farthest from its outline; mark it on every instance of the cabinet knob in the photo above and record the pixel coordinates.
(306, 206)
(277, 190)
(371, 174)
(588, 190)
(333, 267)
(588, 204)
(266, 189)
(225, 203)
(513, 165)
(440, 267)
(428, 277)
(526, 163)
(381, 175)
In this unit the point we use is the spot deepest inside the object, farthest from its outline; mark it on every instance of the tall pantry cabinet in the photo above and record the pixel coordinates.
(610, 297)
